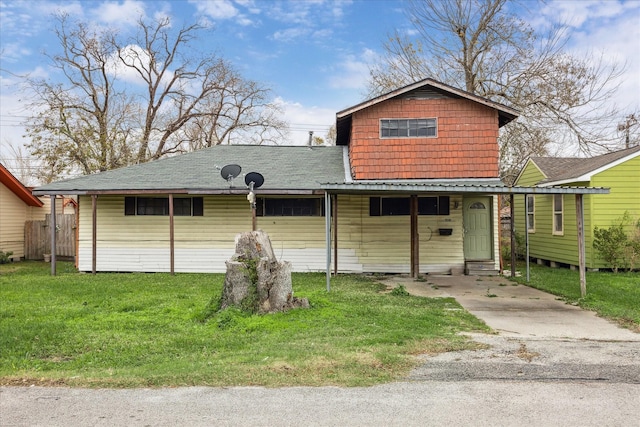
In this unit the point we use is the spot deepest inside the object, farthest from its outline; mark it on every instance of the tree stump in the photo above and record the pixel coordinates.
(255, 280)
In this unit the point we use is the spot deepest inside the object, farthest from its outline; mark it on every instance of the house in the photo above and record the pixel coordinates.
(550, 219)
(409, 187)
(17, 205)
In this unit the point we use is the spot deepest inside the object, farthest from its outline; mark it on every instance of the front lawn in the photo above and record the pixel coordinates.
(614, 296)
(130, 330)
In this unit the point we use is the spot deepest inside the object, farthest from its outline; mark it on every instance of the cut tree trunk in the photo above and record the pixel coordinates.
(256, 281)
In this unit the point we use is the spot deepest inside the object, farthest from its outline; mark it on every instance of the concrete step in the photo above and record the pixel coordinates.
(480, 268)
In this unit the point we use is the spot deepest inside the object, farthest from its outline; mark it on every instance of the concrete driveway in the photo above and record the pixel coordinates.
(515, 310)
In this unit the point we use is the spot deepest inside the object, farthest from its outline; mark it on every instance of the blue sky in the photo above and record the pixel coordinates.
(314, 54)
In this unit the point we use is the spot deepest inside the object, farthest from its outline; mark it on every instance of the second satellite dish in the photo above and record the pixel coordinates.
(254, 177)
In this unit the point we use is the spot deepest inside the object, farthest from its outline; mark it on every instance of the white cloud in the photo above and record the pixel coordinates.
(303, 119)
(290, 34)
(353, 71)
(116, 13)
(216, 9)
(607, 30)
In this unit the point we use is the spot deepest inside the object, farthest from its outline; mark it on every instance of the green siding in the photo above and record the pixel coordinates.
(599, 210)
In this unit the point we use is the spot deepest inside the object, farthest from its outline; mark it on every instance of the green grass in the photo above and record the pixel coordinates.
(129, 330)
(614, 296)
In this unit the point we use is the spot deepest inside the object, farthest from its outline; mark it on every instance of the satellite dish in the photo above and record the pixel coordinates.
(229, 172)
(254, 177)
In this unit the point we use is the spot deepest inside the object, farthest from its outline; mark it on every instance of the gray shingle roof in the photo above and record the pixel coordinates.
(567, 168)
(285, 168)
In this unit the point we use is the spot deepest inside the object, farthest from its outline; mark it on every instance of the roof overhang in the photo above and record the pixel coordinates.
(413, 188)
(12, 183)
(177, 191)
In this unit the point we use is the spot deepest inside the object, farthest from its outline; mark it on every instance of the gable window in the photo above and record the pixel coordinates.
(531, 213)
(407, 128)
(289, 207)
(391, 206)
(558, 214)
(159, 206)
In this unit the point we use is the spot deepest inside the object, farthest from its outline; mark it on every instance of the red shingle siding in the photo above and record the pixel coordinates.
(466, 145)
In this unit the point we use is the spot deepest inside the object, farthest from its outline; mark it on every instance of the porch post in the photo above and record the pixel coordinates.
(415, 249)
(335, 234)
(327, 224)
(94, 232)
(513, 235)
(581, 249)
(52, 224)
(526, 233)
(171, 234)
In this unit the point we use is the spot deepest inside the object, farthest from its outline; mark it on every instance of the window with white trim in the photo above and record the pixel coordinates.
(408, 128)
(558, 214)
(531, 213)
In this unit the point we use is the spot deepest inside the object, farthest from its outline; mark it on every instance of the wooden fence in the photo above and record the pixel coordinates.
(37, 237)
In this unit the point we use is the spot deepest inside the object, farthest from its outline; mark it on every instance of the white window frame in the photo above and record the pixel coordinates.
(531, 213)
(558, 215)
(410, 126)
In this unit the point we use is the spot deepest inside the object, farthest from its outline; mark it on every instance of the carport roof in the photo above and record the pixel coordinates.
(481, 187)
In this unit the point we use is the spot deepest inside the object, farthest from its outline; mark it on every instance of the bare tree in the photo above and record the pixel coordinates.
(81, 123)
(126, 101)
(21, 165)
(478, 45)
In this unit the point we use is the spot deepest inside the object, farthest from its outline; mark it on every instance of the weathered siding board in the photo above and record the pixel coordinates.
(370, 244)
(465, 144)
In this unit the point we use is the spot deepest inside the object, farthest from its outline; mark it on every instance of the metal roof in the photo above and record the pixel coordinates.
(452, 188)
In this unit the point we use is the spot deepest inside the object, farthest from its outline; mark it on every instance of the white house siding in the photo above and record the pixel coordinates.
(382, 243)
(203, 244)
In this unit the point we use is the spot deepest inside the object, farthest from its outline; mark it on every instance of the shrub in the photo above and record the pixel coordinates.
(615, 246)
(5, 257)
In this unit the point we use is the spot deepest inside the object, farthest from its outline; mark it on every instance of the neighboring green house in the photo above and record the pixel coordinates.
(551, 219)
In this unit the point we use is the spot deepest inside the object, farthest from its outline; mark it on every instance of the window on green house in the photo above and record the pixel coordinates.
(531, 213)
(558, 214)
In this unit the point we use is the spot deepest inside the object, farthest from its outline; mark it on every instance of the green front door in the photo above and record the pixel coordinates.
(477, 228)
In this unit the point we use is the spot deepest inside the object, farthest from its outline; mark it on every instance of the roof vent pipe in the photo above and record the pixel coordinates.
(310, 138)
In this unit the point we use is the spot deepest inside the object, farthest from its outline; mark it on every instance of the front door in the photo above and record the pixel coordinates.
(477, 228)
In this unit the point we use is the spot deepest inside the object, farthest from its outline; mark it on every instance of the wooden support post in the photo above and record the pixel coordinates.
(171, 237)
(415, 239)
(52, 224)
(526, 235)
(335, 234)
(513, 235)
(94, 232)
(581, 248)
(327, 225)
